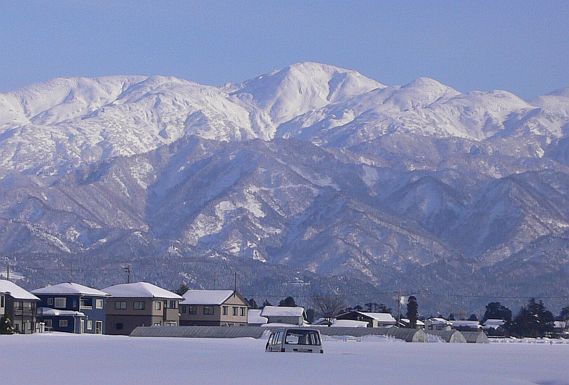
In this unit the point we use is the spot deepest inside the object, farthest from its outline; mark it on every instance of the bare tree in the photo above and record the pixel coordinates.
(329, 306)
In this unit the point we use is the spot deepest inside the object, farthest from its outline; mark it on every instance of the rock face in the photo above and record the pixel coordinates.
(311, 176)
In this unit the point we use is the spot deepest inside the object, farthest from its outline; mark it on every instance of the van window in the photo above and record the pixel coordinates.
(302, 337)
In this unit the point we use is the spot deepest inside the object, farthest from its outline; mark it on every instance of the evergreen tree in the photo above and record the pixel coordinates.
(473, 317)
(266, 303)
(495, 310)
(251, 303)
(288, 301)
(451, 317)
(412, 311)
(6, 325)
(310, 315)
(182, 289)
(533, 320)
(564, 314)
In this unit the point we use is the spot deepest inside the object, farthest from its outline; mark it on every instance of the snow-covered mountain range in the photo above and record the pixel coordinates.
(311, 172)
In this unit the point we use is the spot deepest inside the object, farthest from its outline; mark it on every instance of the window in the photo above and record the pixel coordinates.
(18, 305)
(208, 310)
(158, 305)
(2, 301)
(63, 323)
(173, 305)
(50, 301)
(99, 303)
(86, 303)
(225, 309)
(235, 311)
(119, 326)
(192, 309)
(138, 305)
(89, 325)
(47, 323)
(120, 305)
(60, 302)
(242, 312)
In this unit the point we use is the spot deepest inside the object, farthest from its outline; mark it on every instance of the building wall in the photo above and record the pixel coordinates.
(73, 303)
(2, 305)
(285, 320)
(22, 313)
(217, 318)
(155, 311)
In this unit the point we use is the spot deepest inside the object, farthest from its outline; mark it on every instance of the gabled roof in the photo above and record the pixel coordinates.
(282, 311)
(348, 323)
(418, 322)
(381, 317)
(206, 297)
(70, 288)
(140, 290)
(15, 291)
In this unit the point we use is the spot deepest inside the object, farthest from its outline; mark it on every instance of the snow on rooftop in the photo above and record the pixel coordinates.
(70, 288)
(140, 290)
(381, 317)
(206, 297)
(465, 323)
(15, 291)
(418, 322)
(49, 312)
(348, 323)
(438, 321)
(254, 317)
(282, 311)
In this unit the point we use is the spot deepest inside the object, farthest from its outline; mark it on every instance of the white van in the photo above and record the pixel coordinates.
(299, 340)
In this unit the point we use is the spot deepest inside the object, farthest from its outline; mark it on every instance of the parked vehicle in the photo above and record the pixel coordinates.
(299, 340)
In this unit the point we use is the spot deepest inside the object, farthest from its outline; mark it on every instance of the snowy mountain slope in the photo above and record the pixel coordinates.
(313, 169)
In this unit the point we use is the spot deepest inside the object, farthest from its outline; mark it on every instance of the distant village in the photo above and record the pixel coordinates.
(120, 309)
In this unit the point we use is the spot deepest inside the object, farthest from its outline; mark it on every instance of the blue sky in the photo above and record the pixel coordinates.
(520, 46)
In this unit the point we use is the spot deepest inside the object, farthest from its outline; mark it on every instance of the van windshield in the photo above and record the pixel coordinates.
(302, 337)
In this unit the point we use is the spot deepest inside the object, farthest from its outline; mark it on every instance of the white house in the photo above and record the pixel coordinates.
(284, 315)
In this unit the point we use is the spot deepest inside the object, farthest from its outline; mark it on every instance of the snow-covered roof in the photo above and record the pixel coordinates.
(206, 297)
(418, 322)
(381, 317)
(254, 317)
(437, 321)
(493, 323)
(348, 323)
(282, 311)
(15, 291)
(465, 323)
(140, 290)
(70, 288)
(47, 311)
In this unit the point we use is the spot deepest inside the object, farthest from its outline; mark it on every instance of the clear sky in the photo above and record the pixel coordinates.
(520, 46)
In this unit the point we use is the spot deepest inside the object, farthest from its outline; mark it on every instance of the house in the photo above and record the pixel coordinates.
(72, 308)
(437, 323)
(19, 306)
(374, 320)
(139, 304)
(213, 308)
(284, 315)
(254, 318)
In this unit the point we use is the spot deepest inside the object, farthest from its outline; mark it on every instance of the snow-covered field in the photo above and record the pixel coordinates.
(105, 360)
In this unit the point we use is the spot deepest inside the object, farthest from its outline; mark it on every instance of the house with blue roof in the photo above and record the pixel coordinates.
(72, 308)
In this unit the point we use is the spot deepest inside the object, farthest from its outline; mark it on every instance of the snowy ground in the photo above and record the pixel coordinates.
(104, 360)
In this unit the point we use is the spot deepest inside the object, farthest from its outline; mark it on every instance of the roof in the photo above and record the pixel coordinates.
(70, 288)
(140, 290)
(437, 321)
(417, 322)
(282, 311)
(493, 323)
(206, 297)
(47, 311)
(348, 323)
(465, 323)
(254, 317)
(381, 317)
(15, 291)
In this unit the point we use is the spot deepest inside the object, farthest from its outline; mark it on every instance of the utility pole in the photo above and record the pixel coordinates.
(127, 270)
(235, 282)
(8, 271)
